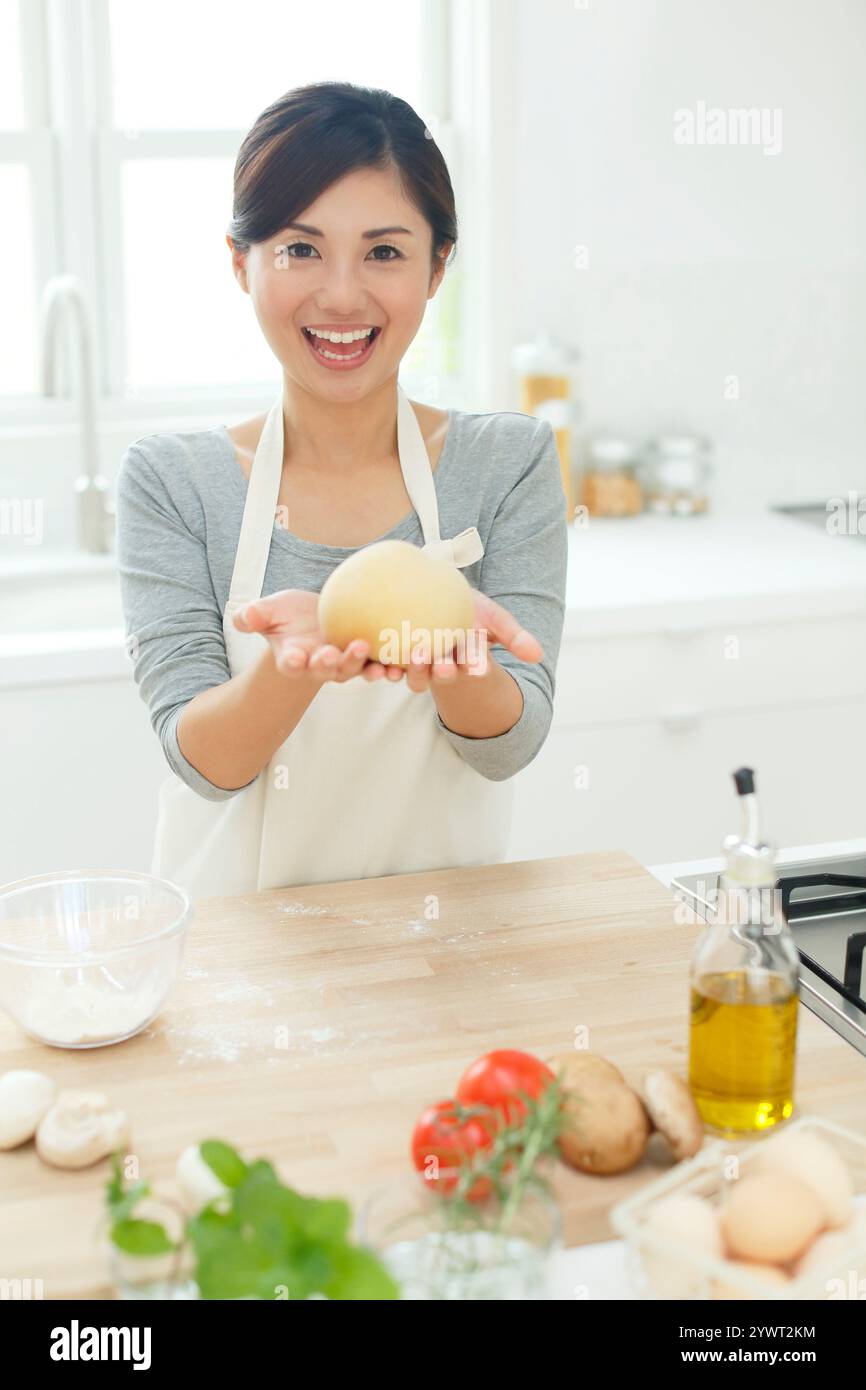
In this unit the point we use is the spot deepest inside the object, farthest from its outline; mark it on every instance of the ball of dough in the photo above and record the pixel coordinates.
(770, 1219)
(81, 1128)
(374, 592)
(197, 1183)
(25, 1096)
(804, 1155)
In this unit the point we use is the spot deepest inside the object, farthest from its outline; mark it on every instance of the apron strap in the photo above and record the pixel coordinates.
(463, 549)
(260, 507)
(260, 510)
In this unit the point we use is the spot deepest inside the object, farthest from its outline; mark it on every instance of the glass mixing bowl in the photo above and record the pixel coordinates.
(88, 959)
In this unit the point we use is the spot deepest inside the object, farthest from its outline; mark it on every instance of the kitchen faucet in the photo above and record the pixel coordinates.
(63, 298)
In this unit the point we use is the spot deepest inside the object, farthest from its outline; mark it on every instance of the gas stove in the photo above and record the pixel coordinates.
(824, 902)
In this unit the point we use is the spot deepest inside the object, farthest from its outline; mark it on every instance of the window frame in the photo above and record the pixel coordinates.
(469, 101)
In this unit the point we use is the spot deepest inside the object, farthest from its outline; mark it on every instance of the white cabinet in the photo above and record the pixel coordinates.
(648, 727)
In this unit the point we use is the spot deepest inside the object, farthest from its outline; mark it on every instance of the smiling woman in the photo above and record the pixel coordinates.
(295, 760)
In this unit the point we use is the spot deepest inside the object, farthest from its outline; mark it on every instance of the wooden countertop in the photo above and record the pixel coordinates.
(312, 1025)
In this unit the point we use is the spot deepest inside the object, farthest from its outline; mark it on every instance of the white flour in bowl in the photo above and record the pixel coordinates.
(81, 1012)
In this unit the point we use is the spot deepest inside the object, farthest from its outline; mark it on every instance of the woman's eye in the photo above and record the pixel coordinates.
(300, 246)
(298, 250)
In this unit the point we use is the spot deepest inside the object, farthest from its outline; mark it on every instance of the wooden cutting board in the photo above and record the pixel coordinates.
(312, 1025)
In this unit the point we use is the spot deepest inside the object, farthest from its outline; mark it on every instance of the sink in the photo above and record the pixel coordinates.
(816, 514)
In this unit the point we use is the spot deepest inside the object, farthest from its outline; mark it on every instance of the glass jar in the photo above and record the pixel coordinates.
(439, 1249)
(610, 486)
(674, 473)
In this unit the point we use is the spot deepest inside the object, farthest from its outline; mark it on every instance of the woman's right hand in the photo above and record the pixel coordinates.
(289, 621)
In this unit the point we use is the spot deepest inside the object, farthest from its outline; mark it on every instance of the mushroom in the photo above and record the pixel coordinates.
(582, 1065)
(673, 1112)
(605, 1130)
(25, 1096)
(80, 1128)
(197, 1182)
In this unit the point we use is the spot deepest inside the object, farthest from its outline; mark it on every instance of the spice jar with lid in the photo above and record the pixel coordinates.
(548, 389)
(674, 473)
(609, 486)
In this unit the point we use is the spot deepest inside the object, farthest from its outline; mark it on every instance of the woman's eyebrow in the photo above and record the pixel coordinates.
(377, 231)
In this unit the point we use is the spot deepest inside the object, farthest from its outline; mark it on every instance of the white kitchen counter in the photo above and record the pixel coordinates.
(626, 574)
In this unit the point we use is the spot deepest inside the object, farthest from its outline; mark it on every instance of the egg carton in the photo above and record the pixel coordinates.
(662, 1266)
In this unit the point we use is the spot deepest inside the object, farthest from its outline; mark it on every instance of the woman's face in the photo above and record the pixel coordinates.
(335, 275)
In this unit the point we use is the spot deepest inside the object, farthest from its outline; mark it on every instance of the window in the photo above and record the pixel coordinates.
(120, 121)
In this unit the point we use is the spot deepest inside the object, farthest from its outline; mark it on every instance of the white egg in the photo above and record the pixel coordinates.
(731, 1287)
(816, 1164)
(691, 1222)
(829, 1249)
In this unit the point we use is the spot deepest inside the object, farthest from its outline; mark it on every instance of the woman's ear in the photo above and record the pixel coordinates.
(437, 273)
(239, 264)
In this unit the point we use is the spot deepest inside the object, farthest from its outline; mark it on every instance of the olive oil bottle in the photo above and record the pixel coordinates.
(744, 990)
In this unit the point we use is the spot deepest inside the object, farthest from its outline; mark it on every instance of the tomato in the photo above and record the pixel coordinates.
(497, 1078)
(440, 1135)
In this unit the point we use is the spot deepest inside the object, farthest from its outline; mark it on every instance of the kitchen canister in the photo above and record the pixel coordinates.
(674, 474)
(609, 485)
(548, 388)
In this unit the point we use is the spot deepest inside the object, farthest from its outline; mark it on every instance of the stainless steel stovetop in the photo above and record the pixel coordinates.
(828, 923)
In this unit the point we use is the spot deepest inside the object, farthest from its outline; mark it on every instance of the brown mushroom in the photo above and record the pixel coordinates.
(606, 1127)
(673, 1112)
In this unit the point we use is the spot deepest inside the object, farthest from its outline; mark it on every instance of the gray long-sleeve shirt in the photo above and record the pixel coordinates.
(180, 499)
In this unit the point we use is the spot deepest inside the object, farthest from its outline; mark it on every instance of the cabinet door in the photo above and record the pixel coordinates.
(662, 789)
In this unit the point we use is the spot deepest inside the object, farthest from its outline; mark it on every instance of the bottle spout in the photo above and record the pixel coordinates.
(750, 824)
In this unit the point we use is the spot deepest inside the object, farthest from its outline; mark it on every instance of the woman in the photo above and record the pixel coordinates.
(292, 761)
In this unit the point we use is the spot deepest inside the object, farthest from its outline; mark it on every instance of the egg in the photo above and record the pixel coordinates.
(770, 1275)
(690, 1222)
(382, 587)
(770, 1218)
(829, 1249)
(814, 1162)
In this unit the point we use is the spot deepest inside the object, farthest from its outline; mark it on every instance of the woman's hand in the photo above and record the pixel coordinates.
(495, 625)
(288, 619)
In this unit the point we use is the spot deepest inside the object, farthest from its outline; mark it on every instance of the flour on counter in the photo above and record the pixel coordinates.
(301, 910)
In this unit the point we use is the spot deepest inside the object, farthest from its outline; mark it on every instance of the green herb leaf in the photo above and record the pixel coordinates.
(120, 1200)
(141, 1238)
(224, 1161)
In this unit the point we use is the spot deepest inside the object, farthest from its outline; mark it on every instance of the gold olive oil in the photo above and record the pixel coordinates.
(744, 983)
(743, 1044)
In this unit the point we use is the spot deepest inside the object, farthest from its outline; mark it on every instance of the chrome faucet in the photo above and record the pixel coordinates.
(63, 298)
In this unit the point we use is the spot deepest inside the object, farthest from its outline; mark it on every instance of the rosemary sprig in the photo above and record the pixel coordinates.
(510, 1163)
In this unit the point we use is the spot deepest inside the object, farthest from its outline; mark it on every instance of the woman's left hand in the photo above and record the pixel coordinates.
(493, 624)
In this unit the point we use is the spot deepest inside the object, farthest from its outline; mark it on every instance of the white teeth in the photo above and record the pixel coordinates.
(351, 337)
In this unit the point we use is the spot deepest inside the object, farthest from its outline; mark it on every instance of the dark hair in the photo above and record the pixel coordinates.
(312, 136)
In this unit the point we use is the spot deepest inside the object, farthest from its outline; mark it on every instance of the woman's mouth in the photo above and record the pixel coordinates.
(341, 357)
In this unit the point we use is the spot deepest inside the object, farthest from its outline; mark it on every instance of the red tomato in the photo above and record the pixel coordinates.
(439, 1135)
(496, 1079)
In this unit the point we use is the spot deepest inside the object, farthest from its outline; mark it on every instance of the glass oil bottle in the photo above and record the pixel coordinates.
(744, 990)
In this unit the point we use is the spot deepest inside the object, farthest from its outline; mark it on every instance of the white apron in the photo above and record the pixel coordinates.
(366, 784)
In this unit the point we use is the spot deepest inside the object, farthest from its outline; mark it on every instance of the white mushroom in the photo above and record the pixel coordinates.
(81, 1128)
(25, 1096)
(197, 1183)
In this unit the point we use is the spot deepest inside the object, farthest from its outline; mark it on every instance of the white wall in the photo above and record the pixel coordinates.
(703, 260)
